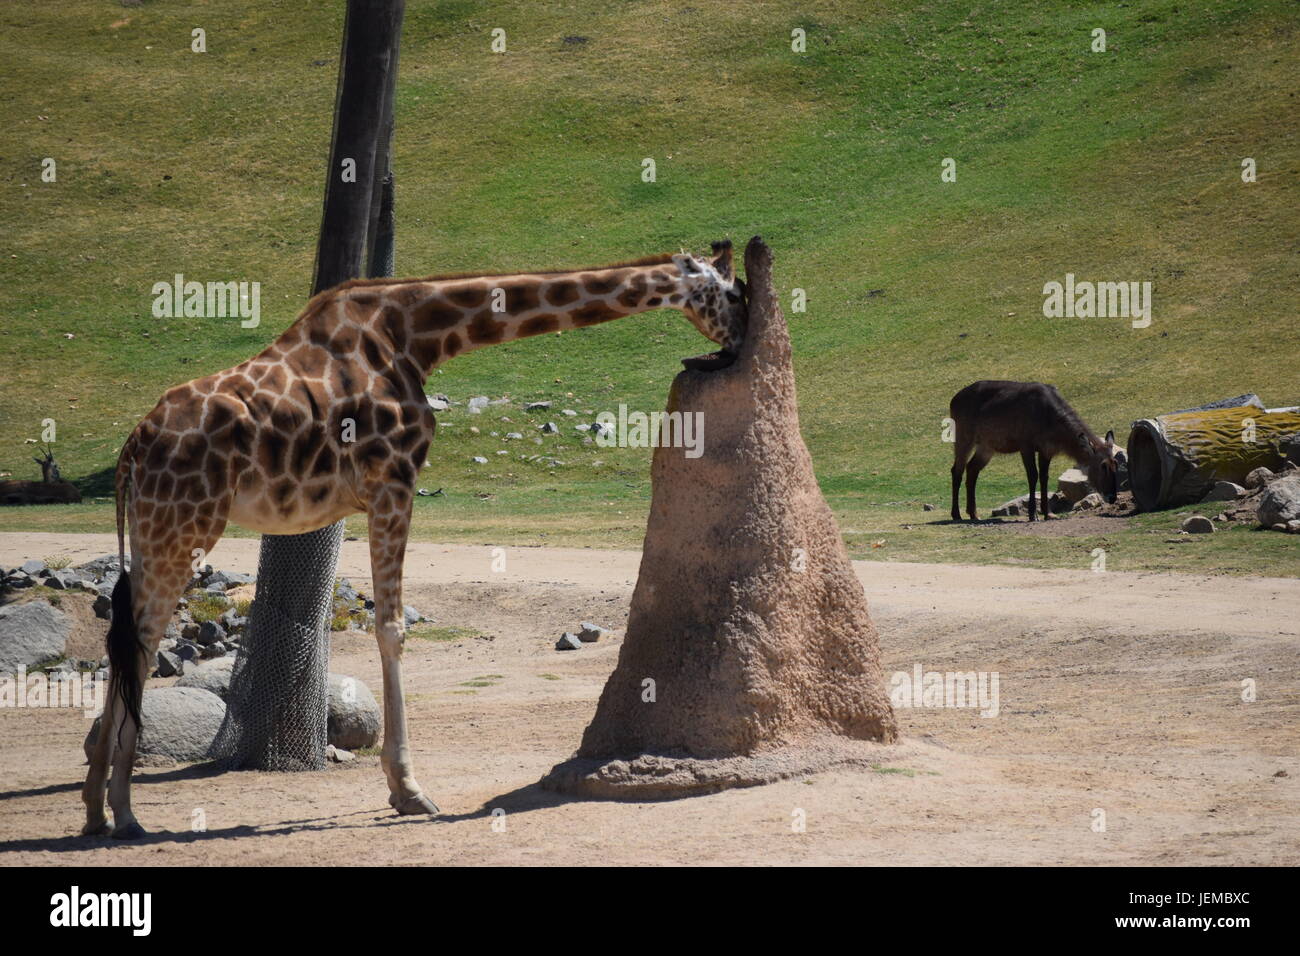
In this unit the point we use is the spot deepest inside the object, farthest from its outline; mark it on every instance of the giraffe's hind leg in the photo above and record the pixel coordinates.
(389, 517)
(160, 569)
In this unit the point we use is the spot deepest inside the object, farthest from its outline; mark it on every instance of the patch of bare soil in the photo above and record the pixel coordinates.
(1120, 693)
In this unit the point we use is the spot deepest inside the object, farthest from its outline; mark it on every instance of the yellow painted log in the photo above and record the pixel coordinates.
(1176, 459)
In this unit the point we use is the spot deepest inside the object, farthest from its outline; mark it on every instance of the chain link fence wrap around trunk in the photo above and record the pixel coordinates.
(277, 710)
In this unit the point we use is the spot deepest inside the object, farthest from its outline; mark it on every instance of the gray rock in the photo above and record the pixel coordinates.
(1089, 502)
(230, 578)
(1224, 491)
(355, 717)
(477, 404)
(180, 724)
(569, 412)
(210, 632)
(1012, 508)
(213, 650)
(20, 579)
(212, 676)
(568, 642)
(98, 567)
(927, 507)
(31, 634)
(32, 567)
(1198, 524)
(1293, 527)
(591, 633)
(338, 755)
(1073, 483)
(64, 581)
(439, 403)
(513, 436)
(103, 607)
(1260, 477)
(170, 664)
(188, 652)
(412, 616)
(480, 460)
(537, 406)
(1280, 501)
(549, 428)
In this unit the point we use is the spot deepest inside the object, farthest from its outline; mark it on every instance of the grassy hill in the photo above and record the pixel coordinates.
(1123, 166)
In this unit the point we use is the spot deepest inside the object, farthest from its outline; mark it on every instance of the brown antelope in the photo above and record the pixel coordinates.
(999, 418)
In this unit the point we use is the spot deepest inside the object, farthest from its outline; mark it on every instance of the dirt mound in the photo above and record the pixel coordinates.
(749, 653)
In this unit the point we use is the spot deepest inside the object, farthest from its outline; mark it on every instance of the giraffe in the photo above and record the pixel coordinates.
(329, 420)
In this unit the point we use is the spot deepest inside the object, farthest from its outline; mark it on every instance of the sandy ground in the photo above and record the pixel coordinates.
(1118, 692)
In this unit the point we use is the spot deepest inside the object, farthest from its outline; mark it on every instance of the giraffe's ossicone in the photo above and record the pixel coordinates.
(328, 420)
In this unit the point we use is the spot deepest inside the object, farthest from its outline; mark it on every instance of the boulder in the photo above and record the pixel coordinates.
(1280, 501)
(212, 676)
(1224, 491)
(180, 724)
(210, 632)
(1089, 502)
(1260, 477)
(568, 642)
(1198, 524)
(591, 633)
(103, 607)
(31, 634)
(1012, 508)
(170, 664)
(354, 716)
(1073, 483)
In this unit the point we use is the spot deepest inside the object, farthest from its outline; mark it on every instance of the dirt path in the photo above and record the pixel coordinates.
(1118, 692)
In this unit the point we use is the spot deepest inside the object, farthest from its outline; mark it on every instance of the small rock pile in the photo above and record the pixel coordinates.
(1268, 499)
(210, 621)
(588, 633)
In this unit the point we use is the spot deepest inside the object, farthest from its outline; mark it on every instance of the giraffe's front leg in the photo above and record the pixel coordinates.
(388, 531)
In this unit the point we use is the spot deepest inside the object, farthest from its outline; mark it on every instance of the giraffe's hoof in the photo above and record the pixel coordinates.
(132, 831)
(102, 828)
(412, 805)
(711, 362)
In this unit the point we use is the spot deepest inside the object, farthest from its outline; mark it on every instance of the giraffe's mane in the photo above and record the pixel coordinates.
(390, 280)
(443, 277)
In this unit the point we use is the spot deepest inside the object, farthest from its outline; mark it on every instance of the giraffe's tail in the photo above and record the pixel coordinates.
(123, 642)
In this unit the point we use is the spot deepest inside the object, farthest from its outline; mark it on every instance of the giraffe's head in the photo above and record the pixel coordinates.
(715, 301)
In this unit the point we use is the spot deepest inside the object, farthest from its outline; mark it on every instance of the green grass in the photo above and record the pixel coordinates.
(207, 607)
(1123, 165)
(441, 635)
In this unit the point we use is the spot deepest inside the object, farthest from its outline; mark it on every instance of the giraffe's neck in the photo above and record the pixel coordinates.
(433, 320)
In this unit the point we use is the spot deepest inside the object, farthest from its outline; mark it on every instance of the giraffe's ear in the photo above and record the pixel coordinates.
(686, 264)
(722, 259)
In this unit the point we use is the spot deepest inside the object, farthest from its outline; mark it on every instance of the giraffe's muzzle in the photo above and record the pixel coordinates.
(711, 362)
